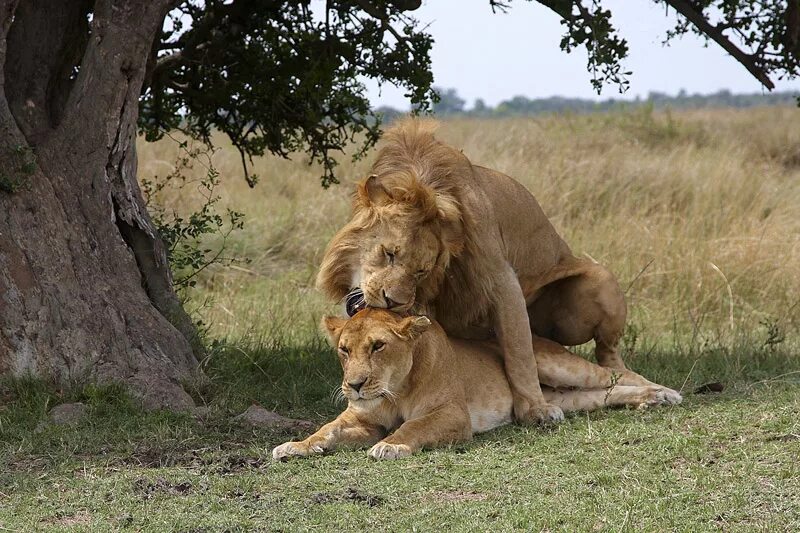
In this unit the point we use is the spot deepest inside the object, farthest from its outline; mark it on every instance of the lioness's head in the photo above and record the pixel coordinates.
(397, 246)
(375, 349)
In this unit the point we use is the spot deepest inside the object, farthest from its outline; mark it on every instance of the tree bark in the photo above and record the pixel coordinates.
(85, 288)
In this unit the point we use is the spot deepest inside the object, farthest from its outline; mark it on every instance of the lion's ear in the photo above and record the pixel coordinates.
(449, 216)
(332, 327)
(412, 327)
(371, 193)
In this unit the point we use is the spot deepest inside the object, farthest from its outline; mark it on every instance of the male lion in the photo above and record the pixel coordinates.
(471, 248)
(404, 378)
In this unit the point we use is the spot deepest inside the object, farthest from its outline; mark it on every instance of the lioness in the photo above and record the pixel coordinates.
(471, 248)
(404, 378)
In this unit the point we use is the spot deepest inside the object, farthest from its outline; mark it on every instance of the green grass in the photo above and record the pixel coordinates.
(716, 461)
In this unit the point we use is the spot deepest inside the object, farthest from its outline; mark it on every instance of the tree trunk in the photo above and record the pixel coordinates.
(85, 289)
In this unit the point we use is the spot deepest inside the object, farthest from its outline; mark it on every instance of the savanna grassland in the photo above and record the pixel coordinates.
(698, 214)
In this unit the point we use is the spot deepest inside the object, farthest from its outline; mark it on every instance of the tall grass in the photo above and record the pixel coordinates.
(697, 212)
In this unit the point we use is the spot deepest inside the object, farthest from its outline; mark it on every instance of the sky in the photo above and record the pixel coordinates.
(498, 56)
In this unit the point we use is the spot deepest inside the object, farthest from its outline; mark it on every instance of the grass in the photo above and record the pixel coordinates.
(697, 212)
(723, 461)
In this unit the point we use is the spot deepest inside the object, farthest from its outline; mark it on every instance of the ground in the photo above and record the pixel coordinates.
(723, 460)
(697, 212)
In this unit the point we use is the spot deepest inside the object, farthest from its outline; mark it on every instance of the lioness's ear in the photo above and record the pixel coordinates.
(332, 326)
(412, 327)
(370, 192)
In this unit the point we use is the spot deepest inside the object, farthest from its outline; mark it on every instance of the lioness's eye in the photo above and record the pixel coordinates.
(377, 346)
(344, 351)
(389, 256)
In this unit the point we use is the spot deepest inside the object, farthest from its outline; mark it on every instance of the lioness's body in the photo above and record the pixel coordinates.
(422, 389)
(472, 248)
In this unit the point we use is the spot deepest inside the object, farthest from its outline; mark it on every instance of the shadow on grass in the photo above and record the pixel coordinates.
(297, 381)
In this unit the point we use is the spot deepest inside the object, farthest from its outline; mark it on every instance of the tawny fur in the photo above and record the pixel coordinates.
(421, 389)
(472, 248)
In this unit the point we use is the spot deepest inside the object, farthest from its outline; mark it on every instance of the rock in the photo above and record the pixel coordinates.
(157, 393)
(68, 414)
(257, 416)
(200, 412)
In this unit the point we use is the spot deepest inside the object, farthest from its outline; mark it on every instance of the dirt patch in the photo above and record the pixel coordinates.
(27, 464)
(78, 518)
(161, 457)
(236, 463)
(201, 461)
(349, 495)
(149, 488)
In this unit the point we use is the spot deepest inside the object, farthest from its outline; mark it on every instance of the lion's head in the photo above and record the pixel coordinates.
(397, 246)
(376, 350)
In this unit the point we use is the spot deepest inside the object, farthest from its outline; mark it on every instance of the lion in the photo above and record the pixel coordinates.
(410, 387)
(432, 233)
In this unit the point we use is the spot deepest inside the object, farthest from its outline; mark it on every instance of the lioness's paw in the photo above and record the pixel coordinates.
(384, 450)
(294, 449)
(661, 396)
(542, 414)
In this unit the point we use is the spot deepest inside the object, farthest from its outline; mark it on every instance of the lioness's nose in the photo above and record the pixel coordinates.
(356, 385)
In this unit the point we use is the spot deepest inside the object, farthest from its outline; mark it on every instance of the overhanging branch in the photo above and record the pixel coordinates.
(715, 34)
(375, 12)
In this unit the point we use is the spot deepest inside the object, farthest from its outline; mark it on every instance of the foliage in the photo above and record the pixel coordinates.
(524, 106)
(769, 29)
(449, 102)
(186, 237)
(283, 76)
(764, 36)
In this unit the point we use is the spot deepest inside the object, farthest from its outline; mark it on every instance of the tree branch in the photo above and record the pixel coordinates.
(715, 34)
(45, 43)
(113, 67)
(377, 14)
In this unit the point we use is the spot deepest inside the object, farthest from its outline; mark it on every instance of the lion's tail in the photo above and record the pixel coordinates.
(570, 267)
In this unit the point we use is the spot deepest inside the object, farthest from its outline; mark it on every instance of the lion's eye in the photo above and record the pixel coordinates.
(389, 256)
(344, 351)
(377, 346)
(422, 273)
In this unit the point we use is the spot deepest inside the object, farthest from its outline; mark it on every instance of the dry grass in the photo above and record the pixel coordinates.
(698, 213)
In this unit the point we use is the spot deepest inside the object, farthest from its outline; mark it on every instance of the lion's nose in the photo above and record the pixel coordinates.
(389, 302)
(356, 385)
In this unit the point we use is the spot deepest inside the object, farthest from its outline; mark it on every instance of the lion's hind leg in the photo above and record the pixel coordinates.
(587, 305)
(620, 395)
(559, 368)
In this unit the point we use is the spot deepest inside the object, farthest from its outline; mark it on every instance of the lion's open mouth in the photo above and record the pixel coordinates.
(354, 301)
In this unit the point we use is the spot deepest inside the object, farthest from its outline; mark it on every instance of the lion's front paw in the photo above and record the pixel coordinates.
(544, 413)
(384, 450)
(661, 396)
(294, 449)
